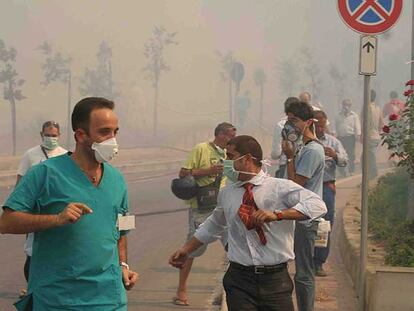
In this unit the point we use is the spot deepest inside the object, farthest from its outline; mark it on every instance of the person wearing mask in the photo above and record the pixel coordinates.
(73, 203)
(348, 131)
(277, 141)
(204, 164)
(305, 167)
(258, 211)
(335, 156)
(49, 148)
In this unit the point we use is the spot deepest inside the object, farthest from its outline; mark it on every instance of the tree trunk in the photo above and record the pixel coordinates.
(155, 125)
(69, 129)
(261, 105)
(230, 101)
(13, 119)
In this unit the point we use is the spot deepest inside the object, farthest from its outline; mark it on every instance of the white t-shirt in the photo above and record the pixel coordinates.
(30, 158)
(35, 155)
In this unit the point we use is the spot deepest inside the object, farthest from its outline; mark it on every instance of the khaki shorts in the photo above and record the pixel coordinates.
(195, 219)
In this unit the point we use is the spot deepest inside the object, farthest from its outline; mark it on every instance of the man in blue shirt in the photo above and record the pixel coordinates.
(73, 203)
(305, 167)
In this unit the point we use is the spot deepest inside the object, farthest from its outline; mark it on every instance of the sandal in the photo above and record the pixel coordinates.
(180, 302)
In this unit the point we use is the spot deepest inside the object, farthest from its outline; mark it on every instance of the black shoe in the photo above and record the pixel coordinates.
(319, 271)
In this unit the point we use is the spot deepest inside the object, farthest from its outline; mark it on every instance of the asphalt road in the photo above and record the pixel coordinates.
(161, 229)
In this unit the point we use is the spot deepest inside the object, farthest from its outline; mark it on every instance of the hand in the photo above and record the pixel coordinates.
(216, 169)
(129, 278)
(178, 259)
(287, 149)
(72, 213)
(330, 152)
(261, 216)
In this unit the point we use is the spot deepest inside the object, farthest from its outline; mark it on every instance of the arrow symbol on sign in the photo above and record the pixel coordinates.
(369, 46)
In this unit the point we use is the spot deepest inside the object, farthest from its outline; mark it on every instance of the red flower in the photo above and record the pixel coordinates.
(386, 129)
(410, 82)
(408, 93)
(394, 117)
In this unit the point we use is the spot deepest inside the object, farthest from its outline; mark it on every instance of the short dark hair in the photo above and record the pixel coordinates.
(50, 124)
(373, 95)
(301, 110)
(222, 128)
(290, 100)
(320, 114)
(245, 144)
(82, 112)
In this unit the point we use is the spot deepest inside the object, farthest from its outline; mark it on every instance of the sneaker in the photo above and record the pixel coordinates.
(319, 271)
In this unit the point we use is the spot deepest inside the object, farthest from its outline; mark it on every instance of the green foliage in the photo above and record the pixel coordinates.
(398, 134)
(387, 213)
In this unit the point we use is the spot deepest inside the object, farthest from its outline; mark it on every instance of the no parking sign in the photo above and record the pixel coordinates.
(370, 16)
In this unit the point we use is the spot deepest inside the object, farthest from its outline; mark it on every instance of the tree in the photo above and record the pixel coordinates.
(226, 61)
(288, 76)
(311, 70)
(154, 53)
(98, 82)
(56, 68)
(11, 84)
(260, 79)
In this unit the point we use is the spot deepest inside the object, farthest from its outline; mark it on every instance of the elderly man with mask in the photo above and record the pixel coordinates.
(259, 212)
(77, 205)
(305, 167)
(335, 155)
(49, 148)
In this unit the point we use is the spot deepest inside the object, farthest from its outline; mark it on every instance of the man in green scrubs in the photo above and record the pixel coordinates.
(73, 204)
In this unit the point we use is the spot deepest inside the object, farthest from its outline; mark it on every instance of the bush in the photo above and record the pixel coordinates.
(387, 218)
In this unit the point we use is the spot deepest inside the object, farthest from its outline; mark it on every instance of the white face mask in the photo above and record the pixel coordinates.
(50, 143)
(106, 150)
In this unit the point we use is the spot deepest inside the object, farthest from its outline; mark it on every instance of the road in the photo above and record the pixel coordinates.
(161, 229)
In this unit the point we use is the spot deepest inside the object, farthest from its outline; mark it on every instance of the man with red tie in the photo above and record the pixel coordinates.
(259, 212)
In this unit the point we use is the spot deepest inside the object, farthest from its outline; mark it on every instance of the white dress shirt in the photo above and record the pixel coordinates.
(348, 124)
(270, 193)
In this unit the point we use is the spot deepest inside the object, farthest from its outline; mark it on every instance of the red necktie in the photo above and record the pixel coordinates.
(246, 210)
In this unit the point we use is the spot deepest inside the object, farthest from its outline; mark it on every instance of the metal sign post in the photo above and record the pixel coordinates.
(368, 17)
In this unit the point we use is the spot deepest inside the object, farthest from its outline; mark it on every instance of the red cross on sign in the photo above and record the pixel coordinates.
(370, 16)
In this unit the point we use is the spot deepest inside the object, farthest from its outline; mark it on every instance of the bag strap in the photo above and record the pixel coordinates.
(44, 152)
(219, 177)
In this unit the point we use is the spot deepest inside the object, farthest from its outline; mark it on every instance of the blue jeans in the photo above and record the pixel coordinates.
(321, 253)
(305, 269)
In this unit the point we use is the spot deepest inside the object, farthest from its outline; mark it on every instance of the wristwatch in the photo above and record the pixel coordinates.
(124, 264)
(289, 160)
(279, 215)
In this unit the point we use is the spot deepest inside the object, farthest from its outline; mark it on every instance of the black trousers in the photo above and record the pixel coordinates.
(247, 291)
(348, 142)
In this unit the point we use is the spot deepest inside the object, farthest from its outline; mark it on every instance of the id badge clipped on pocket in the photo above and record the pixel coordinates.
(126, 222)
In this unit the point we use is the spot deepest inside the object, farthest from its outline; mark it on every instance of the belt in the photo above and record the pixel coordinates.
(259, 269)
(332, 182)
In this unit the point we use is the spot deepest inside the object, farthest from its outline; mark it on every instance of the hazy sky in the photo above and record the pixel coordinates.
(260, 34)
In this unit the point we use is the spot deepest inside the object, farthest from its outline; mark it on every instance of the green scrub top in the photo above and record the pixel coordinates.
(75, 266)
